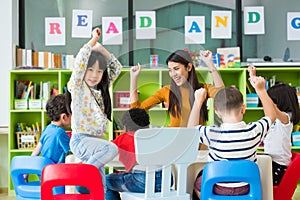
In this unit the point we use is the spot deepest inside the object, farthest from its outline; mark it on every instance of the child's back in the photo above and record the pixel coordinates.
(234, 139)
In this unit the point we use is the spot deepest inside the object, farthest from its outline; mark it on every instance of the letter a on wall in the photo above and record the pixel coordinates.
(293, 26)
(55, 32)
(194, 27)
(112, 33)
(82, 23)
(254, 20)
(221, 24)
(145, 24)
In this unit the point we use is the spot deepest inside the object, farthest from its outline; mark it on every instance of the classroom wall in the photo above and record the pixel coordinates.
(8, 36)
(274, 42)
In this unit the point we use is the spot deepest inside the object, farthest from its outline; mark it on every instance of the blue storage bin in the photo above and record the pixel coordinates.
(296, 138)
(252, 100)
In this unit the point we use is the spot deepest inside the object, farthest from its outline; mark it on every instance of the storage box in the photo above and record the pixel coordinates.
(44, 103)
(27, 140)
(252, 100)
(296, 138)
(122, 99)
(35, 103)
(21, 104)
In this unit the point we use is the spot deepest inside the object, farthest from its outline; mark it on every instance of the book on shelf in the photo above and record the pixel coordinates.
(25, 89)
(20, 86)
(28, 58)
(18, 57)
(24, 62)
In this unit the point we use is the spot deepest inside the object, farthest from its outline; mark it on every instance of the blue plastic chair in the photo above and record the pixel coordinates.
(231, 171)
(27, 165)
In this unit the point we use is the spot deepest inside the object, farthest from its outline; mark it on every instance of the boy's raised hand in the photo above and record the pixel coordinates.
(258, 82)
(135, 71)
(252, 71)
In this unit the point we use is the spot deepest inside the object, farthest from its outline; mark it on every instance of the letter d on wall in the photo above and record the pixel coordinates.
(145, 24)
(254, 20)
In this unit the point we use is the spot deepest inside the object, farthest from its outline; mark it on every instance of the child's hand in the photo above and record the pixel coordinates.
(206, 57)
(200, 95)
(135, 71)
(252, 71)
(96, 33)
(258, 82)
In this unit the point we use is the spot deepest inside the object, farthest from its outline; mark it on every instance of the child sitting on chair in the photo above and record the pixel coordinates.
(234, 139)
(278, 143)
(134, 178)
(54, 141)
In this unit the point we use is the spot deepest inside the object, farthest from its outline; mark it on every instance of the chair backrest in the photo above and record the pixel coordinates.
(264, 163)
(166, 147)
(27, 165)
(289, 181)
(231, 171)
(85, 175)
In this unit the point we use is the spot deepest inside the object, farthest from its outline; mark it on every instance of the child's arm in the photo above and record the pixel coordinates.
(113, 64)
(200, 96)
(134, 73)
(279, 115)
(259, 85)
(95, 37)
(81, 61)
(206, 56)
(36, 151)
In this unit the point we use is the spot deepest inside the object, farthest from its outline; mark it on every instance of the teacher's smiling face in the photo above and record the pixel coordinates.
(178, 72)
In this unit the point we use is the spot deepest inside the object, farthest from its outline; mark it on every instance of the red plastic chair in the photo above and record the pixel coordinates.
(285, 190)
(72, 174)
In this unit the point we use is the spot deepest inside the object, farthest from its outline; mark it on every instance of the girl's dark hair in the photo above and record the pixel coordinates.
(175, 103)
(135, 119)
(104, 83)
(285, 97)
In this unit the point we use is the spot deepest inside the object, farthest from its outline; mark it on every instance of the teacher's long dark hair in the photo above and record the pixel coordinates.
(175, 98)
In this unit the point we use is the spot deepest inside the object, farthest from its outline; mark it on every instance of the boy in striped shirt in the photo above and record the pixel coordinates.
(233, 139)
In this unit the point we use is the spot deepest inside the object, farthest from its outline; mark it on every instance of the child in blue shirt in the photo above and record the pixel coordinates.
(54, 141)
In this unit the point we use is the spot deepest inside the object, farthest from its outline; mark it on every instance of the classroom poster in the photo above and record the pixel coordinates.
(55, 32)
(145, 24)
(194, 29)
(293, 26)
(221, 24)
(254, 20)
(82, 23)
(112, 31)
